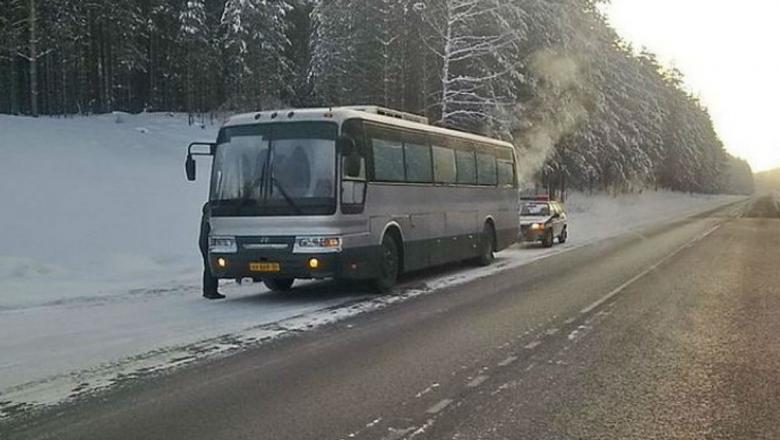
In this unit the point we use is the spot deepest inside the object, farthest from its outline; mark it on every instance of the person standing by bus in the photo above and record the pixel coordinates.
(210, 283)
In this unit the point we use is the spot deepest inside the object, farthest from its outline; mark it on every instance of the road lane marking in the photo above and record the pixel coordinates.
(427, 390)
(646, 272)
(479, 380)
(533, 345)
(439, 406)
(508, 361)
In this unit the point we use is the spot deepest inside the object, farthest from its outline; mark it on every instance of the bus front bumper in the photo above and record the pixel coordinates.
(348, 264)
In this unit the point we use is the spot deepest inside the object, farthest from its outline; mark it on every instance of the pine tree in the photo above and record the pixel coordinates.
(193, 39)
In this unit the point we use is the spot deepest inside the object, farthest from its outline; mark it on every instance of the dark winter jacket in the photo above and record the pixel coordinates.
(205, 228)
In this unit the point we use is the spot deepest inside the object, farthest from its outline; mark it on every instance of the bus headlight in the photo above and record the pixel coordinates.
(223, 245)
(315, 245)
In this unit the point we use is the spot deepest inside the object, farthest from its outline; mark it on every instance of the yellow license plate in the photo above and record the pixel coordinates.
(264, 267)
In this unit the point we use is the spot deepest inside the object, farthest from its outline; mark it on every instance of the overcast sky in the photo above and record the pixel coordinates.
(729, 54)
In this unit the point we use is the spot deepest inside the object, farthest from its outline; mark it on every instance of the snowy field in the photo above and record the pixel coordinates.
(92, 207)
(99, 269)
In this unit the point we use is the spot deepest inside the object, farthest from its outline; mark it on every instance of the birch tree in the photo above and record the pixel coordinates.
(467, 36)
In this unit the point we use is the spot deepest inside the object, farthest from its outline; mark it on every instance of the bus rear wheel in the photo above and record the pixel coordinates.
(279, 284)
(388, 265)
(487, 251)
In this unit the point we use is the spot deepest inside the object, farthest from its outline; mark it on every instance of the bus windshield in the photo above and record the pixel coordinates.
(286, 168)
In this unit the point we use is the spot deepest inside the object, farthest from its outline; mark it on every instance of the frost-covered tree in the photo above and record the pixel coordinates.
(471, 40)
(236, 25)
(255, 46)
(300, 54)
(193, 38)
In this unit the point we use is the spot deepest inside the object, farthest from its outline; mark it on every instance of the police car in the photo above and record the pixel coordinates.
(543, 220)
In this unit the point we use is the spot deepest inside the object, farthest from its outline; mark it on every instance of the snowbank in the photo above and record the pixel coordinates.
(92, 206)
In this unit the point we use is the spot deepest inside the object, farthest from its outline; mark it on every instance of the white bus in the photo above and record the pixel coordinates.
(353, 193)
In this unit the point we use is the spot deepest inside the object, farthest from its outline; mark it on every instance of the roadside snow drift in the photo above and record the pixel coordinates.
(92, 206)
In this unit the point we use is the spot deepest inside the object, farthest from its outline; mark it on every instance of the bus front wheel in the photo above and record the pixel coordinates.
(388, 265)
(279, 284)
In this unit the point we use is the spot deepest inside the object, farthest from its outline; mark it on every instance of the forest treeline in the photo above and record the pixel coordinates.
(584, 108)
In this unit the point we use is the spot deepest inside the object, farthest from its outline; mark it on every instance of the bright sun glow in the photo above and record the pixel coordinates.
(728, 53)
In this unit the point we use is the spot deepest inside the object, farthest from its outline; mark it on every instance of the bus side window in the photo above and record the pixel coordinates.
(506, 175)
(353, 186)
(387, 152)
(354, 129)
(444, 170)
(417, 158)
(467, 166)
(486, 169)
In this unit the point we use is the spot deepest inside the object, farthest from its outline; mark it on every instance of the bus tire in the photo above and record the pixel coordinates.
(487, 245)
(279, 284)
(389, 264)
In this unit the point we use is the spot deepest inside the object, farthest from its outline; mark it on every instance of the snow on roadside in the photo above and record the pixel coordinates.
(96, 205)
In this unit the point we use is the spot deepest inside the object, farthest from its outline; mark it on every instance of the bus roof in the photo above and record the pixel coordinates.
(368, 113)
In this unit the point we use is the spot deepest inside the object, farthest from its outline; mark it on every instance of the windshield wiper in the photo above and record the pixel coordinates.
(243, 201)
(286, 196)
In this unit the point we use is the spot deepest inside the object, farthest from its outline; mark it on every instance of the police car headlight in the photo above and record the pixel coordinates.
(311, 245)
(223, 245)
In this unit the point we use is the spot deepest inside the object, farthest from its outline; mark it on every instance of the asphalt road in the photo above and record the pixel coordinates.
(674, 333)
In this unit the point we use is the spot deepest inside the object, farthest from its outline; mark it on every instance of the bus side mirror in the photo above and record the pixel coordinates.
(189, 166)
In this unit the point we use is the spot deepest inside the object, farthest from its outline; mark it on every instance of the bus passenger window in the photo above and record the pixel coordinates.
(388, 161)
(444, 165)
(506, 175)
(467, 167)
(418, 163)
(486, 169)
